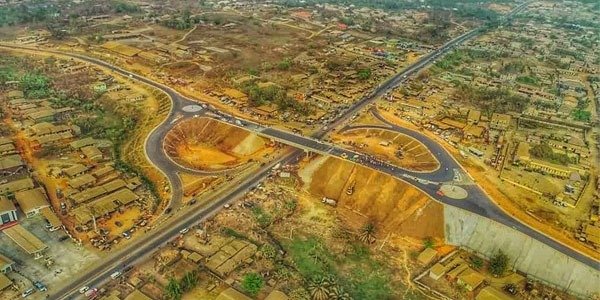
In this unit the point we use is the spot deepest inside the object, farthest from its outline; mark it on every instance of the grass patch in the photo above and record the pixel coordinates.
(357, 272)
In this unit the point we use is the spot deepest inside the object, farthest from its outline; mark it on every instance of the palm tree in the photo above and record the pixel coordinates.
(367, 233)
(173, 290)
(319, 289)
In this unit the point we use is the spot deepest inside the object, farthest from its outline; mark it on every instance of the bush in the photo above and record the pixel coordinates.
(498, 263)
(252, 283)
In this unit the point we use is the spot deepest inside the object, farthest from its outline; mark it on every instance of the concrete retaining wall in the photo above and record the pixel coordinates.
(527, 255)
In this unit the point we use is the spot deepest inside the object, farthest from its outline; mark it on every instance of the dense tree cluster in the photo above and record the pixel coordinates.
(274, 94)
(491, 100)
(545, 152)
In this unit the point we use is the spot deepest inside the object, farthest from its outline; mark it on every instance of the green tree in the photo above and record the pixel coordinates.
(364, 74)
(477, 262)
(252, 283)
(428, 243)
(173, 290)
(498, 263)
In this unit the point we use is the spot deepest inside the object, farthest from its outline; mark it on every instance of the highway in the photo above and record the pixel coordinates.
(477, 202)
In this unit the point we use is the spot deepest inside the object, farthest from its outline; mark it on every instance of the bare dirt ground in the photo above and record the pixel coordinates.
(395, 207)
(401, 150)
(207, 144)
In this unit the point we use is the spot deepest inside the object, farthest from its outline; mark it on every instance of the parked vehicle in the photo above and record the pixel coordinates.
(27, 292)
(40, 286)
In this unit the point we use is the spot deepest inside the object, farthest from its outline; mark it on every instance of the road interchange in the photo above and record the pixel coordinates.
(429, 182)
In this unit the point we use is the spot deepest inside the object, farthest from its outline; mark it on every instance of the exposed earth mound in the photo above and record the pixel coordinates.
(208, 144)
(365, 195)
(400, 149)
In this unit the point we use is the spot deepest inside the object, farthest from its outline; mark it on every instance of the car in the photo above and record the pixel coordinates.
(27, 292)
(227, 205)
(84, 289)
(40, 286)
(126, 235)
(91, 293)
(193, 201)
(116, 275)
(184, 231)
(168, 210)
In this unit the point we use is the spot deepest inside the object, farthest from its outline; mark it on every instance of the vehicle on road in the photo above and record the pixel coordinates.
(184, 231)
(116, 275)
(91, 293)
(84, 289)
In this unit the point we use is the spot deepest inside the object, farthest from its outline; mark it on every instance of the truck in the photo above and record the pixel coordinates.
(329, 201)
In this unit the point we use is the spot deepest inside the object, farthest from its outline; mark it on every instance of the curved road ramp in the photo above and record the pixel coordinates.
(537, 260)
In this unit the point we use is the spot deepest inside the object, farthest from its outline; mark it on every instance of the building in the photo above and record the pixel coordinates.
(437, 271)
(15, 95)
(232, 294)
(75, 170)
(92, 153)
(521, 154)
(137, 295)
(544, 167)
(8, 211)
(32, 201)
(10, 164)
(491, 293)
(427, 256)
(500, 121)
(470, 279)
(473, 116)
(277, 295)
(5, 282)
(16, 185)
(6, 264)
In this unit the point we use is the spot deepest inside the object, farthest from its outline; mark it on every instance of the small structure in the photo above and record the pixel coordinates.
(437, 271)
(5, 282)
(6, 264)
(75, 170)
(473, 116)
(92, 153)
(137, 295)
(491, 293)
(8, 211)
(277, 295)
(82, 182)
(10, 164)
(427, 256)
(16, 185)
(500, 121)
(54, 222)
(470, 279)
(232, 294)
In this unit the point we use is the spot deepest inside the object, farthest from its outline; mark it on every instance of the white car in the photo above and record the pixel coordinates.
(116, 275)
(184, 231)
(84, 289)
